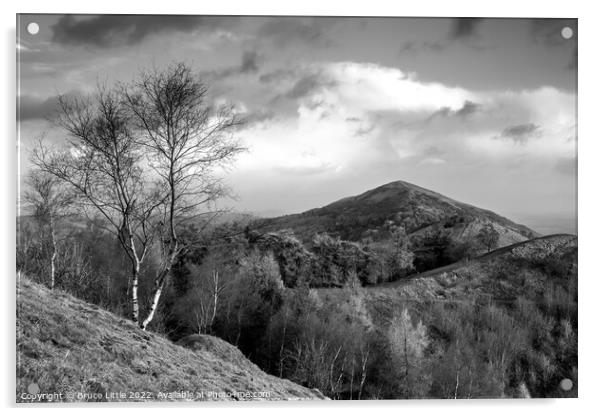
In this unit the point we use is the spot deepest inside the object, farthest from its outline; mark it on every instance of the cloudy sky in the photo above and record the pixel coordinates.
(481, 110)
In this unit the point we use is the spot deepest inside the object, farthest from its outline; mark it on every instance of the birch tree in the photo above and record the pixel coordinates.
(101, 165)
(49, 202)
(143, 156)
(185, 139)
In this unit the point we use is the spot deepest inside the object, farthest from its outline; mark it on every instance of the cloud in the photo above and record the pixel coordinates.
(374, 88)
(466, 110)
(343, 118)
(309, 84)
(411, 47)
(284, 31)
(520, 133)
(120, 30)
(277, 75)
(249, 62)
(32, 108)
(464, 27)
(258, 116)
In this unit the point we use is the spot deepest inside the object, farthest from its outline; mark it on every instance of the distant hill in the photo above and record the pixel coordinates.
(65, 345)
(419, 210)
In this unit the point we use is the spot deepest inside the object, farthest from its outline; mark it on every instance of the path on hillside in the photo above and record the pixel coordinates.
(454, 266)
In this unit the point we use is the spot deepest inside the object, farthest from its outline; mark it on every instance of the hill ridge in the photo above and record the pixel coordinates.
(418, 209)
(462, 263)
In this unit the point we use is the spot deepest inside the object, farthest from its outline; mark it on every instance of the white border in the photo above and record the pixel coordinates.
(590, 199)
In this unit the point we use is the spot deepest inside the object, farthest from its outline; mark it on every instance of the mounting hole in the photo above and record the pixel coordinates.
(566, 384)
(33, 28)
(566, 32)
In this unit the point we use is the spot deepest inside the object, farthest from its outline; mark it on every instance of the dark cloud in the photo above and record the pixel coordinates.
(277, 76)
(521, 133)
(32, 108)
(36, 108)
(284, 31)
(259, 116)
(118, 30)
(412, 48)
(362, 131)
(249, 62)
(294, 85)
(464, 27)
(467, 109)
(309, 84)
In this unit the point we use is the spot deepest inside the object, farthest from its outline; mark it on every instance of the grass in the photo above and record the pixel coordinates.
(67, 346)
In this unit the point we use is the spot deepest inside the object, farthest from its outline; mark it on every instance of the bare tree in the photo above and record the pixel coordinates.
(407, 343)
(102, 165)
(143, 156)
(488, 236)
(204, 298)
(49, 202)
(185, 140)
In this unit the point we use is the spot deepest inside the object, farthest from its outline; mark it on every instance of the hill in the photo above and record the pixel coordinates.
(68, 347)
(419, 210)
(501, 325)
(529, 269)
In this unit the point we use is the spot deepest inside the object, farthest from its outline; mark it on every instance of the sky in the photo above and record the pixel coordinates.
(480, 110)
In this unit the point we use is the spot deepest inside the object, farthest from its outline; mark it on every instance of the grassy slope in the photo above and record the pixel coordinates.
(66, 345)
(500, 276)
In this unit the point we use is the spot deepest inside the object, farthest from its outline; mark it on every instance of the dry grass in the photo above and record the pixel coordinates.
(65, 346)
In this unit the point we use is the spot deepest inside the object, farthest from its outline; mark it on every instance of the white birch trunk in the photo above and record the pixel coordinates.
(135, 306)
(159, 285)
(215, 298)
(53, 255)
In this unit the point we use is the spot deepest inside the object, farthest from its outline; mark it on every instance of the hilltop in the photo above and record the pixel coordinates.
(419, 210)
(65, 345)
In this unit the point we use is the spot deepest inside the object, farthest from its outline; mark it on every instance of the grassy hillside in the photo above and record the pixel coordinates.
(419, 210)
(523, 269)
(66, 346)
